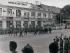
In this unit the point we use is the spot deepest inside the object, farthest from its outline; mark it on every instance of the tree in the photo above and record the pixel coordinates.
(59, 18)
(66, 10)
(63, 15)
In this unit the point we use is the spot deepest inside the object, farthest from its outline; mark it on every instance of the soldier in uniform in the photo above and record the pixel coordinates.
(21, 33)
(49, 30)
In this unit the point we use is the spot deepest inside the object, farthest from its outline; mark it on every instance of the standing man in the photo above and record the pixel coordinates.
(53, 47)
(69, 46)
(61, 44)
(13, 46)
(66, 43)
(27, 49)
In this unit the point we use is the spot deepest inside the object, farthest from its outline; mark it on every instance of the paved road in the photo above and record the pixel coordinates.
(39, 43)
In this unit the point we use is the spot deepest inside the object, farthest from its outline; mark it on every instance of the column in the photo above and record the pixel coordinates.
(4, 24)
(22, 22)
(14, 23)
(42, 23)
(35, 23)
(29, 23)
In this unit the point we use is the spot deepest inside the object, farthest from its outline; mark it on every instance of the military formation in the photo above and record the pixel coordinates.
(27, 49)
(24, 32)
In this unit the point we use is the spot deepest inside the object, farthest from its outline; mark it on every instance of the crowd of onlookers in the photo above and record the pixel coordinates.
(60, 45)
(27, 49)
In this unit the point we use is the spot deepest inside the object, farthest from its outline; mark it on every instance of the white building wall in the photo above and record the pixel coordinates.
(29, 23)
(36, 14)
(35, 23)
(22, 13)
(4, 24)
(22, 24)
(4, 12)
(51, 15)
(47, 15)
(14, 23)
(29, 14)
(42, 23)
(14, 12)
(42, 15)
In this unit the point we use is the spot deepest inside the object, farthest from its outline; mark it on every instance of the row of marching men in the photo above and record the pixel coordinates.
(63, 43)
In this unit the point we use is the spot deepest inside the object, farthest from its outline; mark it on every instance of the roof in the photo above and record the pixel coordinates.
(33, 6)
(46, 8)
(18, 4)
(50, 8)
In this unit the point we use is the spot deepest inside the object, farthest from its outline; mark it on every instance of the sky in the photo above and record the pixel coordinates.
(57, 3)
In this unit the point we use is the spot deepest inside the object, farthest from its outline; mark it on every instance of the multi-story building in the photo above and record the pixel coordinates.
(26, 15)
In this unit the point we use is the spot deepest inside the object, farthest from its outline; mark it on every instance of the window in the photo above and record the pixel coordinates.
(25, 24)
(0, 11)
(33, 24)
(32, 13)
(18, 13)
(0, 24)
(47, 15)
(51, 15)
(9, 11)
(39, 23)
(39, 14)
(26, 14)
(18, 24)
(9, 24)
(44, 14)
(9, 18)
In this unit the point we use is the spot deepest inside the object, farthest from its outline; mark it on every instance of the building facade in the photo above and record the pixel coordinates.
(26, 15)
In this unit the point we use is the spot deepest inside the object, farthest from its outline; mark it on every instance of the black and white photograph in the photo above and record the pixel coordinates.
(34, 26)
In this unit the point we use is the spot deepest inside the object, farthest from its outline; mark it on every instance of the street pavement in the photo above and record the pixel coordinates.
(40, 42)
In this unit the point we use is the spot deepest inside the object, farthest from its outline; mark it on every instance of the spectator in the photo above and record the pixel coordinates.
(13, 46)
(53, 47)
(27, 49)
(69, 46)
(61, 45)
(66, 43)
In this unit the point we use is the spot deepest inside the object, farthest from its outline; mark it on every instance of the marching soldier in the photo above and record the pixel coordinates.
(21, 32)
(49, 30)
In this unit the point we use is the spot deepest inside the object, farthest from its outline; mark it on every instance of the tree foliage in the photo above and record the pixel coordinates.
(64, 14)
(59, 18)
